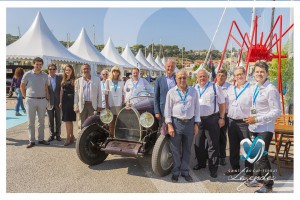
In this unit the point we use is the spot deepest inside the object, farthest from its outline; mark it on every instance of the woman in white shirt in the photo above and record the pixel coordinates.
(104, 74)
(114, 94)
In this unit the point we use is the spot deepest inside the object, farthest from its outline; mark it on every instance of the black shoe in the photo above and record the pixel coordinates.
(231, 172)
(198, 167)
(58, 138)
(188, 178)
(44, 142)
(31, 144)
(213, 174)
(222, 161)
(51, 138)
(264, 189)
(174, 178)
(252, 183)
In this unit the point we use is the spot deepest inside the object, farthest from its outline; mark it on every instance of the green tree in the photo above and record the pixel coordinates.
(135, 48)
(287, 74)
(11, 39)
(196, 67)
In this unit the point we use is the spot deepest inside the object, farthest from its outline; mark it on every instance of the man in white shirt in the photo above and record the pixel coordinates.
(212, 106)
(135, 85)
(240, 102)
(264, 111)
(182, 115)
(221, 81)
(88, 95)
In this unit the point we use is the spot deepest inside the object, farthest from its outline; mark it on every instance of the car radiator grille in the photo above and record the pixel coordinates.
(127, 126)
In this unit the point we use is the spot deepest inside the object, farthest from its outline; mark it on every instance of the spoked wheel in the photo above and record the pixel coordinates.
(88, 145)
(162, 161)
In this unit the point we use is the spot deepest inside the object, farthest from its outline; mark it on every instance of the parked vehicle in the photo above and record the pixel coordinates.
(136, 134)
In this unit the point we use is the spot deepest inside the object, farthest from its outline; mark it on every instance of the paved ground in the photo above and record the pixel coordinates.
(57, 169)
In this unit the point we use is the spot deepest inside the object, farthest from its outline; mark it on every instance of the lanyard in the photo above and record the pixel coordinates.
(135, 85)
(185, 95)
(206, 86)
(237, 96)
(103, 85)
(255, 94)
(115, 85)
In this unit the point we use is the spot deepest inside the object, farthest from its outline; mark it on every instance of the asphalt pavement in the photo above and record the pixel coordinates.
(57, 169)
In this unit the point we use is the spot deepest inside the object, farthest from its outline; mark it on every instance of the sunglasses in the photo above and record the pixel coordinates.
(52, 69)
(182, 78)
(104, 74)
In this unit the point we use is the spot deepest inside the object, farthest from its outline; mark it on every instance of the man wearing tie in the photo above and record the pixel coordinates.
(53, 110)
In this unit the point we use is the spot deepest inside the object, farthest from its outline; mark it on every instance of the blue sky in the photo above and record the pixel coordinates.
(192, 28)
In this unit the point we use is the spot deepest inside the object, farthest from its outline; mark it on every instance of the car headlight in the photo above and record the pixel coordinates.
(146, 119)
(106, 116)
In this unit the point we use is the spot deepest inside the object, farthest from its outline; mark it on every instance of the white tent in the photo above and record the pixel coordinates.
(153, 63)
(110, 52)
(158, 61)
(84, 49)
(164, 61)
(130, 58)
(141, 58)
(39, 41)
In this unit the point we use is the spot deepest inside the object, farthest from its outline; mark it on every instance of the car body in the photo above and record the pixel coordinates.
(130, 138)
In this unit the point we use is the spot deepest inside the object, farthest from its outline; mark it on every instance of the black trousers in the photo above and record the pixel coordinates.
(237, 131)
(262, 167)
(223, 138)
(208, 131)
(54, 115)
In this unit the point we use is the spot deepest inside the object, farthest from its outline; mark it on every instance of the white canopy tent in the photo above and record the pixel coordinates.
(158, 61)
(164, 61)
(111, 53)
(84, 49)
(153, 63)
(130, 58)
(39, 41)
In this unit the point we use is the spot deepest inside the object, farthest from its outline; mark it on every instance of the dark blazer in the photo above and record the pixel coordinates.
(54, 95)
(160, 94)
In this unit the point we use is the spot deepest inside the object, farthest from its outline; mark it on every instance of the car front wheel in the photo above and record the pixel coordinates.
(162, 161)
(88, 145)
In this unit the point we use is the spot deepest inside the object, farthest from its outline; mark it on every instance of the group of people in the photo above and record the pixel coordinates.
(63, 97)
(205, 112)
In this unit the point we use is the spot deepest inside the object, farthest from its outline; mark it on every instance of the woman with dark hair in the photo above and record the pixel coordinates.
(16, 81)
(67, 102)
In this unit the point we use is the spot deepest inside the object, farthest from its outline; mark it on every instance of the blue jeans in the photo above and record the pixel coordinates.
(19, 100)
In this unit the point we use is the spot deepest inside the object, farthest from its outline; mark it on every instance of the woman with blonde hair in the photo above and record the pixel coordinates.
(114, 94)
(67, 102)
(16, 82)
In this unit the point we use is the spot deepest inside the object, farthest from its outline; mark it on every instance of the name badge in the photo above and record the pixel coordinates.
(234, 104)
(184, 109)
(201, 101)
(253, 112)
(115, 96)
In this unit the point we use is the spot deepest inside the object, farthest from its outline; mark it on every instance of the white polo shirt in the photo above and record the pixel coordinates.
(225, 87)
(132, 88)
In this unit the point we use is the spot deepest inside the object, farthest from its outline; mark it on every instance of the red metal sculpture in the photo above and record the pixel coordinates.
(259, 50)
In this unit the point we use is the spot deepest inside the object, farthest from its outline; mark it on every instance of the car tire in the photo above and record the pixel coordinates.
(162, 161)
(88, 145)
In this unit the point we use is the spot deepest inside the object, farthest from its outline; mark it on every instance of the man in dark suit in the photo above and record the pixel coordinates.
(162, 85)
(53, 110)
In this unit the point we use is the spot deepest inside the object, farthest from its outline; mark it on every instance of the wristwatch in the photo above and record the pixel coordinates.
(198, 123)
